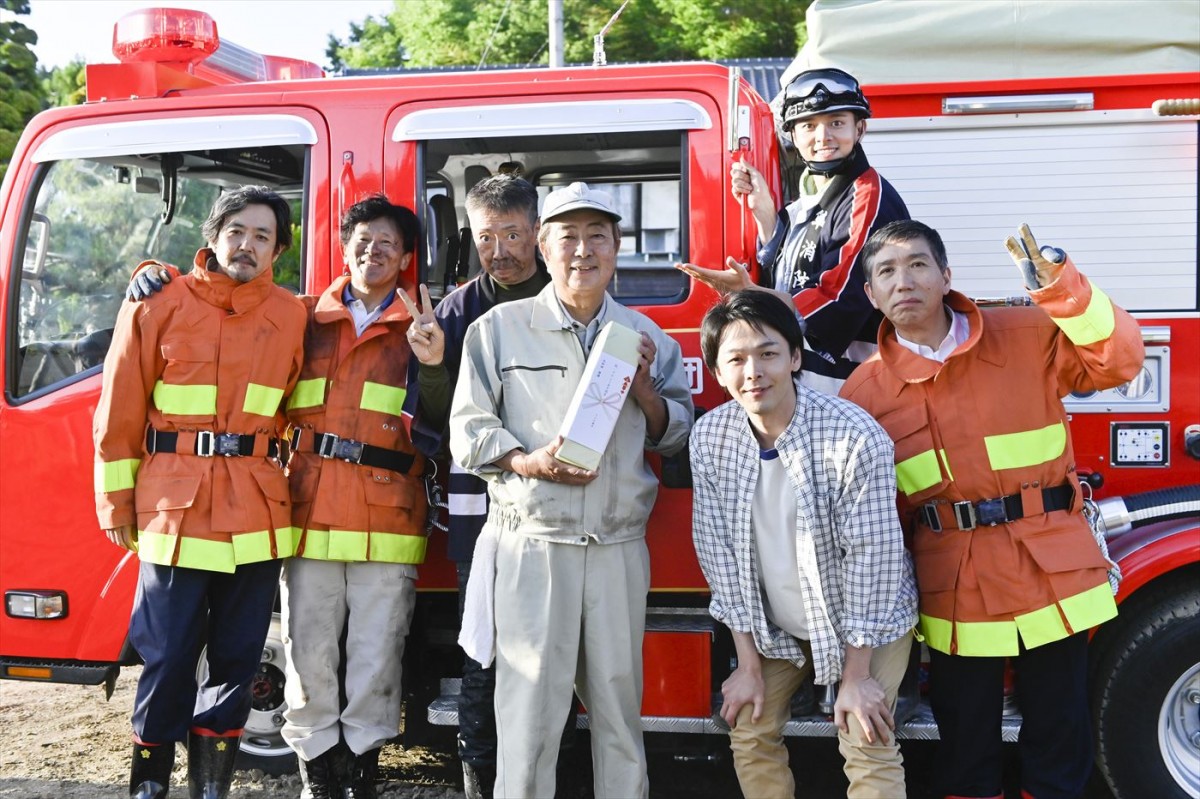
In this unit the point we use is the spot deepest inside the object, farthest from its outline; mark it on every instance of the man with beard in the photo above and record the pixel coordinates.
(196, 371)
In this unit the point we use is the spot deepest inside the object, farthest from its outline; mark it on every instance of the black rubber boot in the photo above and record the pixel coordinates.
(364, 770)
(150, 773)
(320, 776)
(210, 765)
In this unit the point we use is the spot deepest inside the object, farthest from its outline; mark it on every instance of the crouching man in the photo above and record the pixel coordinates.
(795, 527)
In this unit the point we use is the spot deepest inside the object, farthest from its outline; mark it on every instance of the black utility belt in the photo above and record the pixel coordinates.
(209, 444)
(334, 447)
(939, 516)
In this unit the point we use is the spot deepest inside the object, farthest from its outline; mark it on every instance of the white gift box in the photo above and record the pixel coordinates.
(594, 409)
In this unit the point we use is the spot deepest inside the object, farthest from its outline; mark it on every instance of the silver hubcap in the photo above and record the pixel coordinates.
(263, 735)
(1179, 731)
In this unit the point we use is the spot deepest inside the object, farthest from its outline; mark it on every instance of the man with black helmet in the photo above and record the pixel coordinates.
(809, 251)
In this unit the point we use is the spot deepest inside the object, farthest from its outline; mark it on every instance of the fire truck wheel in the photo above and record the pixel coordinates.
(1146, 701)
(263, 747)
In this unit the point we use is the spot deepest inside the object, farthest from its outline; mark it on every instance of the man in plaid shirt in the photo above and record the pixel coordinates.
(795, 526)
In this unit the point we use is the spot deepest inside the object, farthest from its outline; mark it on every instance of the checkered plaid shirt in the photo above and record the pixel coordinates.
(856, 576)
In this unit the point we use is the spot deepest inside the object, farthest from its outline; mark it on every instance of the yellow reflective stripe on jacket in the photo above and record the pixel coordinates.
(938, 633)
(357, 546)
(917, 473)
(999, 638)
(1091, 607)
(1094, 324)
(1028, 448)
(185, 400)
(307, 393)
(215, 556)
(945, 463)
(1041, 626)
(985, 638)
(262, 400)
(385, 399)
(116, 475)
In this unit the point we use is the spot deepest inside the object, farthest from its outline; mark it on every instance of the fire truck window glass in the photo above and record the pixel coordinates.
(643, 171)
(94, 220)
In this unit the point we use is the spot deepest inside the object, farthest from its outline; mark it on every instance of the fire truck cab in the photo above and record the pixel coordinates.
(1093, 151)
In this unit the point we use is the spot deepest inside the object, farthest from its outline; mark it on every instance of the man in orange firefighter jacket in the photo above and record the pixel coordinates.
(1006, 564)
(197, 371)
(359, 506)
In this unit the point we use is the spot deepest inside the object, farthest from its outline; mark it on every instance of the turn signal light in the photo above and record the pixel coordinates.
(35, 604)
(27, 673)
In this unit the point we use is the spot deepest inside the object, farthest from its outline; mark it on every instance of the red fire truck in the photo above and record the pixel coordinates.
(1096, 151)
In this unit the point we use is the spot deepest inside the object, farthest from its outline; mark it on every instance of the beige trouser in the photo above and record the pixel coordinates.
(875, 771)
(569, 617)
(374, 603)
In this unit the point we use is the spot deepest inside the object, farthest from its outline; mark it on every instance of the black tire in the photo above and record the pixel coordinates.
(1146, 692)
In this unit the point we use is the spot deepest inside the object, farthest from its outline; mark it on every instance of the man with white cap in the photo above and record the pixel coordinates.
(572, 569)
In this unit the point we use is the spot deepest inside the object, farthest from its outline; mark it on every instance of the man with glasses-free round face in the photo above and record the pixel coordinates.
(809, 252)
(1007, 567)
(359, 509)
(571, 564)
(795, 527)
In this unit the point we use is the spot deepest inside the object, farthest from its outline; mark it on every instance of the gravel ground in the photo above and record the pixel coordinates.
(67, 742)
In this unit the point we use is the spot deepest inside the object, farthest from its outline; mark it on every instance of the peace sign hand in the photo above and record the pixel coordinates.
(425, 335)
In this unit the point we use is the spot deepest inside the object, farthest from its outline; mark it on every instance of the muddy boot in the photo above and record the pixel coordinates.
(478, 781)
(210, 764)
(363, 771)
(320, 776)
(150, 774)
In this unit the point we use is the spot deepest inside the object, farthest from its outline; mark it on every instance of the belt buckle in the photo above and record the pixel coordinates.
(991, 512)
(350, 450)
(228, 444)
(964, 514)
(930, 516)
(204, 443)
(327, 445)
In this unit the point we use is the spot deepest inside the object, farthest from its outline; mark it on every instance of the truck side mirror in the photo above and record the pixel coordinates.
(37, 239)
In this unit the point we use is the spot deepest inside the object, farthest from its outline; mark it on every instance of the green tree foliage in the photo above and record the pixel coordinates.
(66, 85)
(471, 32)
(21, 94)
(374, 43)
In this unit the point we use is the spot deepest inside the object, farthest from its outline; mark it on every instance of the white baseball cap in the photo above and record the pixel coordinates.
(575, 197)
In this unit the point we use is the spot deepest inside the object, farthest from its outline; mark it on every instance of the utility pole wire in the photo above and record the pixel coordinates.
(533, 58)
(488, 47)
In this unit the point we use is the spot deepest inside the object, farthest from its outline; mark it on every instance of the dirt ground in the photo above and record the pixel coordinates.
(67, 742)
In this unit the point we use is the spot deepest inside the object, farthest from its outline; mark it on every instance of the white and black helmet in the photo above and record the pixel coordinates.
(822, 91)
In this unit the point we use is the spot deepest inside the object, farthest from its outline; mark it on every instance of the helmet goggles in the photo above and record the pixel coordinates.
(822, 91)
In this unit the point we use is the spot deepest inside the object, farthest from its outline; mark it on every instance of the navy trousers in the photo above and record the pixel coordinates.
(1055, 743)
(178, 611)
